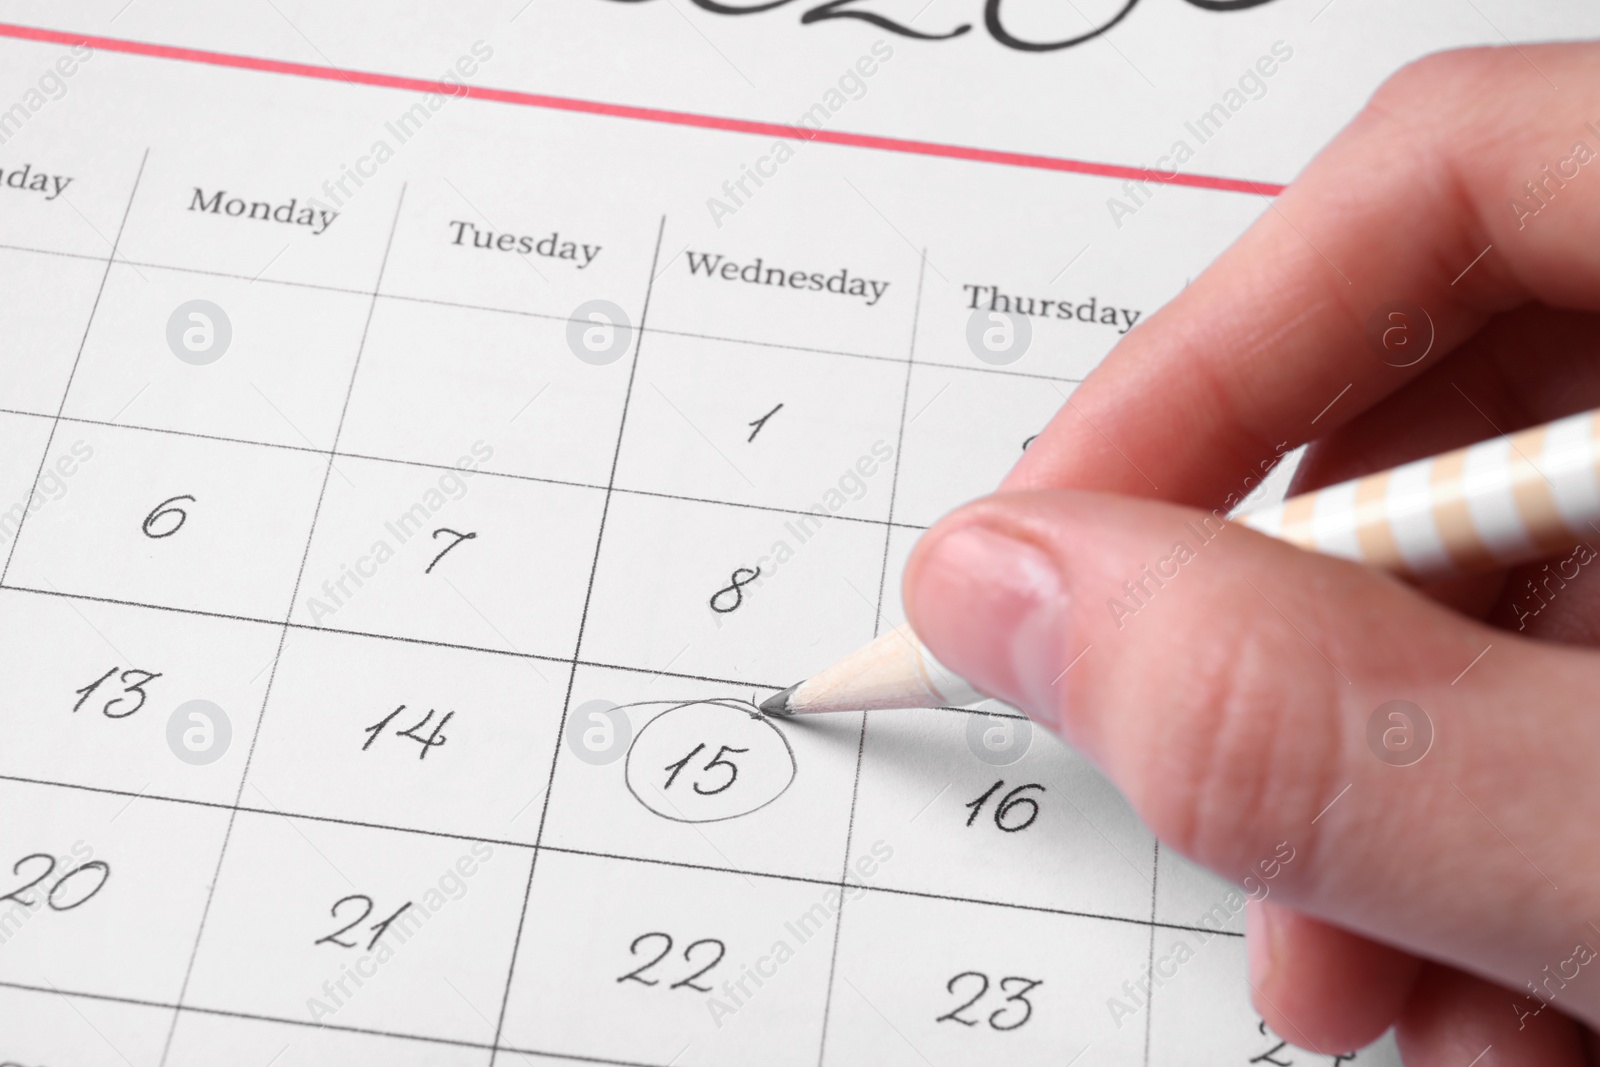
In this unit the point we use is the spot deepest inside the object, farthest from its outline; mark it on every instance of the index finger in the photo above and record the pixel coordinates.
(1468, 186)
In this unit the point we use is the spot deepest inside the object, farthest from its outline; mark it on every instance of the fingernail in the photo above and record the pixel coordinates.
(1261, 942)
(994, 609)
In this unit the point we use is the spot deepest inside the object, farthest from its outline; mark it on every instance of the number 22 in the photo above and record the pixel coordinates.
(637, 975)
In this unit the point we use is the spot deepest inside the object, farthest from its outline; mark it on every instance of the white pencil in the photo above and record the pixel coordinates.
(1494, 504)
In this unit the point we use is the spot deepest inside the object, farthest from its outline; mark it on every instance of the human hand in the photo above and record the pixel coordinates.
(1457, 897)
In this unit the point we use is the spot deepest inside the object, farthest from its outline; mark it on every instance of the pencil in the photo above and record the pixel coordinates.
(1509, 500)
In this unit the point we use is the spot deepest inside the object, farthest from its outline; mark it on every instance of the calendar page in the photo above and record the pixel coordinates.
(425, 439)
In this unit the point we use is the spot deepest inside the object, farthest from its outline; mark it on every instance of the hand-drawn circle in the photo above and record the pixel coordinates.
(598, 732)
(199, 732)
(1401, 333)
(1399, 733)
(598, 332)
(199, 332)
(998, 740)
(999, 337)
(707, 731)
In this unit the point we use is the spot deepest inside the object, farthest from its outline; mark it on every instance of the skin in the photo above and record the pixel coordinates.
(1232, 708)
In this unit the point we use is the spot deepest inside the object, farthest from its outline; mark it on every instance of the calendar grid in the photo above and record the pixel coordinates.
(311, 628)
(533, 851)
(83, 340)
(547, 316)
(1150, 956)
(214, 940)
(577, 649)
(374, 299)
(566, 850)
(422, 464)
(877, 623)
(283, 635)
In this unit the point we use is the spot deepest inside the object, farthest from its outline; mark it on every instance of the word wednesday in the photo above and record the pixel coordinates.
(757, 273)
(291, 213)
(551, 247)
(32, 181)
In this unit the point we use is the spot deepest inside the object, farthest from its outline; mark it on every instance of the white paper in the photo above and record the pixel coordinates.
(422, 522)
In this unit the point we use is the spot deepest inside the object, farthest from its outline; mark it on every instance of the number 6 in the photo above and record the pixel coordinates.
(166, 507)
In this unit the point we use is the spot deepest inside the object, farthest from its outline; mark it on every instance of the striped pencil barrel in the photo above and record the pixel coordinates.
(1494, 504)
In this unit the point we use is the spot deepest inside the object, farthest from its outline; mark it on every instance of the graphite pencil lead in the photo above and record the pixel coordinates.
(778, 703)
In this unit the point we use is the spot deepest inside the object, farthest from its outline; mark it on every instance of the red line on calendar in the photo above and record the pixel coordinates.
(663, 116)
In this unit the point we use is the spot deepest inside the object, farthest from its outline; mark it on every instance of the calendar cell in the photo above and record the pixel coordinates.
(965, 430)
(979, 985)
(704, 967)
(481, 242)
(994, 808)
(1200, 1010)
(746, 424)
(765, 280)
(659, 796)
(45, 1026)
(89, 874)
(174, 521)
(1190, 895)
(728, 588)
(42, 323)
(355, 927)
(509, 380)
(91, 694)
(228, 357)
(214, 201)
(457, 555)
(401, 734)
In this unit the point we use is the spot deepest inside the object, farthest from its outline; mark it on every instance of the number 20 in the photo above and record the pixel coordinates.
(55, 897)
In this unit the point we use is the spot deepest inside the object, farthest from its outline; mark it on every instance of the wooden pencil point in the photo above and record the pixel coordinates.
(778, 703)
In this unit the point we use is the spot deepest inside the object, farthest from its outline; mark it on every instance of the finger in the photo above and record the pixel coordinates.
(1554, 600)
(1268, 347)
(1324, 988)
(1227, 682)
(1455, 1020)
(1526, 367)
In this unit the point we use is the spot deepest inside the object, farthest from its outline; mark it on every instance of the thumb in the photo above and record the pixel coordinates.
(1239, 692)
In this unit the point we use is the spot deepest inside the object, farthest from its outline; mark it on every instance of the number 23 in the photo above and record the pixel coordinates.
(1027, 985)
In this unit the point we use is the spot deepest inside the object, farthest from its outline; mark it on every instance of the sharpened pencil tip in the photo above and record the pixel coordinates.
(778, 703)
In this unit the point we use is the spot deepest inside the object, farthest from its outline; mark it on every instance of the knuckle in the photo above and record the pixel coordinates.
(1248, 736)
(1440, 83)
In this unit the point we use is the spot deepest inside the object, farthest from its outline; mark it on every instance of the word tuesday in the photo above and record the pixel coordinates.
(550, 246)
(757, 273)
